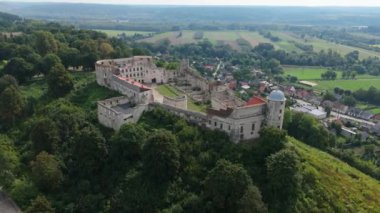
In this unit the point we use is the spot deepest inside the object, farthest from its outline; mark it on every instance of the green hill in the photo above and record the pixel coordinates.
(6, 19)
(330, 185)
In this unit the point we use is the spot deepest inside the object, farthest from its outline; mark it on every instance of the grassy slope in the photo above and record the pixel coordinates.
(337, 184)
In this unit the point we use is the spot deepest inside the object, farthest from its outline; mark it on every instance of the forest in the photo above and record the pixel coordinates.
(56, 157)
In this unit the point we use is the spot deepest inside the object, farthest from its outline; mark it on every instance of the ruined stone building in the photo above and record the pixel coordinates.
(241, 120)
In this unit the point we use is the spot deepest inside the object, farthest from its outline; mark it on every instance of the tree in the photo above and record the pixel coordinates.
(44, 136)
(161, 153)
(11, 104)
(45, 42)
(20, 69)
(126, 145)
(251, 201)
(88, 152)
(284, 179)
(329, 96)
(227, 186)
(59, 81)
(40, 205)
(7, 80)
(22, 192)
(9, 161)
(105, 50)
(47, 63)
(46, 172)
(349, 100)
(69, 56)
(328, 111)
(271, 141)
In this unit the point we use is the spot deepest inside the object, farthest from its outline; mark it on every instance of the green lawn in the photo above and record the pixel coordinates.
(169, 91)
(114, 33)
(348, 84)
(314, 75)
(305, 73)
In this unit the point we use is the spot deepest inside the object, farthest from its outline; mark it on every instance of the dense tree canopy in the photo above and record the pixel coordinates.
(59, 81)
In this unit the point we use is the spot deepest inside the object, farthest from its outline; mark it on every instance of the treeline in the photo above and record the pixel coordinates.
(329, 58)
(7, 20)
(269, 36)
(372, 95)
(340, 36)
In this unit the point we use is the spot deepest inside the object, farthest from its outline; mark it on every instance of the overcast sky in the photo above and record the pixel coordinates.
(226, 2)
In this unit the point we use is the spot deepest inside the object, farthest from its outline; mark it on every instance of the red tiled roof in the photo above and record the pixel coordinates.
(255, 101)
(136, 83)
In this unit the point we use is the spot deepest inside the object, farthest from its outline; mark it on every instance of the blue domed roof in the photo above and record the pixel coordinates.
(276, 95)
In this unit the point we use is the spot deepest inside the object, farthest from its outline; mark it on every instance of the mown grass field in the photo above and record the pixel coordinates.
(344, 187)
(115, 33)
(305, 73)
(314, 75)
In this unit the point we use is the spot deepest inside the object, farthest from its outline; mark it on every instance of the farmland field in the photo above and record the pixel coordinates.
(254, 38)
(314, 74)
(114, 33)
(215, 37)
(320, 44)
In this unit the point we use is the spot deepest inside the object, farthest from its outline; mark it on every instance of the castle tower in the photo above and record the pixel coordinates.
(276, 108)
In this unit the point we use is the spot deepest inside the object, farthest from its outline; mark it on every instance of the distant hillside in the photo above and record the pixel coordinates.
(7, 19)
(195, 14)
(334, 186)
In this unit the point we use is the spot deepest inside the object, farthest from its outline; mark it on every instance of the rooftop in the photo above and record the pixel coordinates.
(123, 108)
(135, 83)
(255, 101)
(276, 95)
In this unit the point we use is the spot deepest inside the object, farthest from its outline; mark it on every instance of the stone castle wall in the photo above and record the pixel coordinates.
(178, 102)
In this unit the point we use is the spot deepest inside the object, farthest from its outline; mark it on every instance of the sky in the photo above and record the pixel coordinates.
(344, 3)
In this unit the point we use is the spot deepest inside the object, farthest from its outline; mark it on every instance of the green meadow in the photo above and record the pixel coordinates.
(314, 75)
